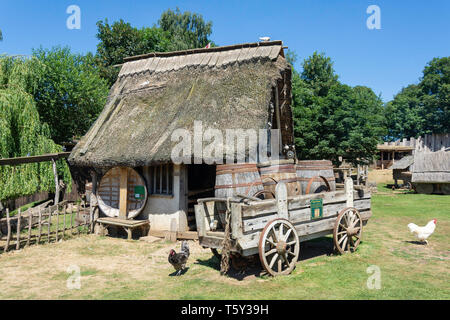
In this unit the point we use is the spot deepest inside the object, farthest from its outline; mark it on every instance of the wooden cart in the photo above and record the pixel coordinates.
(274, 228)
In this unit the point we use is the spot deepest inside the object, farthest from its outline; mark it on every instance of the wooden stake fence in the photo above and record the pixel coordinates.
(33, 221)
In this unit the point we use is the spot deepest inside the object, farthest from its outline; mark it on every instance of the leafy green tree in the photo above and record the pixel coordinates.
(422, 108)
(177, 31)
(319, 73)
(435, 86)
(403, 114)
(187, 30)
(121, 40)
(70, 93)
(22, 133)
(332, 119)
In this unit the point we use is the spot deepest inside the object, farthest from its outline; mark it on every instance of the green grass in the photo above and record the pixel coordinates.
(118, 269)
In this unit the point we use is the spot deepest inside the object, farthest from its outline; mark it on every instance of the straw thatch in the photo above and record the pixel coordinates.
(433, 167)
(228, 88)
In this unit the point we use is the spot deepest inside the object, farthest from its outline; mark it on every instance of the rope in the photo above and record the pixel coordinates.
(226, 243)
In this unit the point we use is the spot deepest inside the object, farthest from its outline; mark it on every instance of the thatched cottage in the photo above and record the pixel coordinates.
(246, 86)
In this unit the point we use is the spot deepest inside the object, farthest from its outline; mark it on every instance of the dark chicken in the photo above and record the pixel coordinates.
(178, 260)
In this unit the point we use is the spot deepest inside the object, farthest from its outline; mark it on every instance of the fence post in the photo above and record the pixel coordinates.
(18, 230)
(49, 223)
(30, 222)
(40, 226)
(78, 216)
(8, 237)
(64, 229)
(57, 221)
(71, 219)
(55, 173)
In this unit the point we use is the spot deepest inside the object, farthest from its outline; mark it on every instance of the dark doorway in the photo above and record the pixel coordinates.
(201, 182)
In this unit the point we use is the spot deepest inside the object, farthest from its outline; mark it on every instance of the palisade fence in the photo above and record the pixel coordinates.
(44, 225)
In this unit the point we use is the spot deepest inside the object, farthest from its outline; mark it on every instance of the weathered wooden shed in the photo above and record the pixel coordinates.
(431, 172)
(246, 86)
(402, 170)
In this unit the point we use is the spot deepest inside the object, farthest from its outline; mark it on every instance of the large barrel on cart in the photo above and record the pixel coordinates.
(242, 178)
(316, 176)
(274, 172)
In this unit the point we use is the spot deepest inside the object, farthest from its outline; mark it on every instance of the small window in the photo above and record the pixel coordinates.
(161, 179)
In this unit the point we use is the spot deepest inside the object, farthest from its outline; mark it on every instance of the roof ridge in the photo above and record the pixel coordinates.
(201, 50)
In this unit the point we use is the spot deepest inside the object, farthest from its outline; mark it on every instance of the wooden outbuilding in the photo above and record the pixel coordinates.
(246, 86)
(402, 170)
(431, 172)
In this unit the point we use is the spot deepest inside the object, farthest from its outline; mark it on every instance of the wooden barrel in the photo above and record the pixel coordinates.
(312, 175)
(108, 193)
(237, 178)
(279, 171)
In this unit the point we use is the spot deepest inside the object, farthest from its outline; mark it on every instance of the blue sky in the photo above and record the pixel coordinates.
(411, 34)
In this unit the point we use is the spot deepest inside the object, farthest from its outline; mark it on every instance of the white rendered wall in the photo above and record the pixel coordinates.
(162, 209)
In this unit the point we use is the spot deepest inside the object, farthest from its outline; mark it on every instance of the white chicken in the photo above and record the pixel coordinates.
(423, 233)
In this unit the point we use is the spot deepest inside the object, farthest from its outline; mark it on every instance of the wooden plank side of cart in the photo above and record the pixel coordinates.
(256, 215)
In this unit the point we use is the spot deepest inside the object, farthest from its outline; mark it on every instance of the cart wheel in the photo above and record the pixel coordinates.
(347, 230)
(279, 247)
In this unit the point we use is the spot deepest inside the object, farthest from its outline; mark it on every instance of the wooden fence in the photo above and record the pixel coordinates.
(44, 225)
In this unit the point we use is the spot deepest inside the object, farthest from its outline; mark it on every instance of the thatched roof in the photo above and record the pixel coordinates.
(432, 167)
(224, 88)
(403, 163)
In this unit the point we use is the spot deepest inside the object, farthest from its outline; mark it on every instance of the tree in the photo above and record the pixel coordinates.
(403, 114)
(121, 40)
(422, 108)
(318, 72)
(177, 31)
(22, 133)
(70, 93)
(435, 95)
(332, 119)
(187, 30)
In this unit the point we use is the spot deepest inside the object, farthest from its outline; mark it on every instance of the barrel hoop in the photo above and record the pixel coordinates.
(308, 187)
(313, 168)
(276, 162)
(307, 179)
(269, 183)
(234, 166)
(314, 162)
(239, 185)
(277, 171)
(243, 170)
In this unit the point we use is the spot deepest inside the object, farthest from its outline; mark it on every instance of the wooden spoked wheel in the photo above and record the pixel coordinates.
(279, 247)
(347, 230)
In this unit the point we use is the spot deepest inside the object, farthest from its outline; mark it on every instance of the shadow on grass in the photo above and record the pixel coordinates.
(315, 248)
(417, 242)
(175, 273)
(241, 270)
